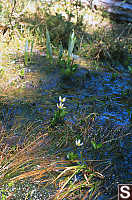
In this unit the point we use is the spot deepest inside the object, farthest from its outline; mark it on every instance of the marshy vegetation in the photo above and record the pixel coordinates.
(65, 101)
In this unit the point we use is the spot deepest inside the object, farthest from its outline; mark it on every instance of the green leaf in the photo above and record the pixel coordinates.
(72, 40)
(68, 72)
(2, 71)
(48, 45)
(1, 7)
(72, 156)
(22, 72)
(4, 197)
(62, 113)
(74, 67)
(99, 146)
(94, 144)
(10, 184)
(26, 52)
(31, 52)
(130, 69)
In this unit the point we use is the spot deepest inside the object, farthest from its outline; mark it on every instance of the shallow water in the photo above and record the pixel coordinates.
(88, 91)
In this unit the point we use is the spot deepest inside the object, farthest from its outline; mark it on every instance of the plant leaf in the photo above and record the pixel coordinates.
(72, 40)
(94, 144)
(48, 44)
(99, 146)
(26, 52)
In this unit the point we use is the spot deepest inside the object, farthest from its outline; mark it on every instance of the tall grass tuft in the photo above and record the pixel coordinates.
(67, 64)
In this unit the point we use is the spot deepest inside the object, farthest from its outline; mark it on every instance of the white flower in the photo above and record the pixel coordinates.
(78, 143)
(60, 105)
(62, 99)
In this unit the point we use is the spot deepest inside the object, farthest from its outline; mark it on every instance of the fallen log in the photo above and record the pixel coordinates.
(119, 8)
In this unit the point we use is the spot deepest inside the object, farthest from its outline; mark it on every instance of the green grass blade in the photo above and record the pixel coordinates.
(48, 45)
(26, 52)
(32, 44)
(31, 51)
(71, 43)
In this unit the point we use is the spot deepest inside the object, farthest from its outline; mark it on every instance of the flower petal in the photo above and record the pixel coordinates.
(78, 143)
(60, 98)
(64, 99)
(60, 105)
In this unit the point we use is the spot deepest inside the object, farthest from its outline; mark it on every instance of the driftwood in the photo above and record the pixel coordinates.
(122, 9)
